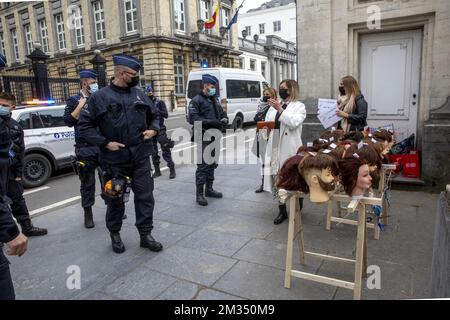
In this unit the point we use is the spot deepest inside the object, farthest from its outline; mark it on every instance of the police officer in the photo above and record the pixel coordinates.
(15, 241)
(86, 154)
(121, 120)
(205, 108)
(15, 187)
(162, 138)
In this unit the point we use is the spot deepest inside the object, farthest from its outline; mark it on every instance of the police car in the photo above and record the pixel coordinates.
(49, 142)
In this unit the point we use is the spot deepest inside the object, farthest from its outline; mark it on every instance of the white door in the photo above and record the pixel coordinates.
(390, 79)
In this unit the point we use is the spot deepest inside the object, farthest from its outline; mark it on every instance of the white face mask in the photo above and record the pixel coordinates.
(4, 111)
(93, 88)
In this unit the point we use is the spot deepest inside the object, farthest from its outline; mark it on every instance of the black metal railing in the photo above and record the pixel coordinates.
(24, 88)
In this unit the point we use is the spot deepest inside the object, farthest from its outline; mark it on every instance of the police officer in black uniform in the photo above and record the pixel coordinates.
(205, 108)
(165, 142)
(15, 187)
(121, 120)
(86, 154)
(15, 241)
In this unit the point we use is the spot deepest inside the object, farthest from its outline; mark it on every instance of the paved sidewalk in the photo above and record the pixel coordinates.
(228, 250)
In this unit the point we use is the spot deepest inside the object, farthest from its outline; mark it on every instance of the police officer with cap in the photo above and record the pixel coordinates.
(10, 234)
(205, 108)
(17, 154)
(121, 120)
(86, 154)
(162, 138)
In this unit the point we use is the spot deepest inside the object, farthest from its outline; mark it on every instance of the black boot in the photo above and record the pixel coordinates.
(31, 231)
(210, 192)
(261, 188)
(282, 215)
(172, 175)
(116, 243)
(157, 172)
(149, 242)
(200, 195)
(88, 218)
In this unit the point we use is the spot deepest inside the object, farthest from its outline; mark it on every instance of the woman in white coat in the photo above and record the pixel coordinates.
(288, 115)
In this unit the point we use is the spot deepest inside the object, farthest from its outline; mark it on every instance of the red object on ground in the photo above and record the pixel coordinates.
(411, 166)
(396, 159)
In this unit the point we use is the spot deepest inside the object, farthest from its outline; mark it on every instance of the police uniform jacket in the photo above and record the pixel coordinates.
(85, 149)
(207, 110)
(116, 114)
(8, 228)
(17, 146)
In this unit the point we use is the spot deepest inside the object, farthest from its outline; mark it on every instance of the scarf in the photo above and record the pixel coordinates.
(346, 104)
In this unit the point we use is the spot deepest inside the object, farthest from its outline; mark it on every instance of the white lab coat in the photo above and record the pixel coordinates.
(282, 147)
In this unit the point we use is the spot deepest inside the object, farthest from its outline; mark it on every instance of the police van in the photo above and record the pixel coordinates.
(239, 92)
(49, 142)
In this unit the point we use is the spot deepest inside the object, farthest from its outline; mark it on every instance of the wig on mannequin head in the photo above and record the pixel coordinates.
(367, 153)
(332, 135)
(356, 136)
(349, 170)
(321, 144)
(383, 135)
(289, 177)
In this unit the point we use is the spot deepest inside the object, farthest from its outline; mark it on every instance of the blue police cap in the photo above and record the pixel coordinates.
(130, 62)
(148, 88)
(207, 78)
(3, 61)
(88, 74)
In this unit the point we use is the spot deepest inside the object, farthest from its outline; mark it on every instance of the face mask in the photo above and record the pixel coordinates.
(150, 95)
(265, 99)
(4, 111)
(284, 94)
(212, 92)
(342, 91)
(93, 88)
(134, 82)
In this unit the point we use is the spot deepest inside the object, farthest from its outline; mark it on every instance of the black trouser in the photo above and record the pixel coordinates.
(163, 140)
(87, 179)
(205, 172)
(6, 284)
(142, 186)
(18, 206)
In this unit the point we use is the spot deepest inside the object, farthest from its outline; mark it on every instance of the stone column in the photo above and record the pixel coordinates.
(294, 74)
(272, 71)
(277, 72)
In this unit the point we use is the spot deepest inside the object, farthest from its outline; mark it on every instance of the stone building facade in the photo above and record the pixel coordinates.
(164, 34)
(400, 53)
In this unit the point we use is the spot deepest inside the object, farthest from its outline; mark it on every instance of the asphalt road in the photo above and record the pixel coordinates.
(63, 188)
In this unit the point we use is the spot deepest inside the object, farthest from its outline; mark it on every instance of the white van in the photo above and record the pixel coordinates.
(240, 92)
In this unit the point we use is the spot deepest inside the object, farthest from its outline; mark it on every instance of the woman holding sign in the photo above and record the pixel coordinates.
(352, 106)
(288, 116)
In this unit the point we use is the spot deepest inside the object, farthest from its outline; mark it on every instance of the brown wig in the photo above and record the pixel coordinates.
(289, 177)
(356, 136)
(383, 135)
(305, 149)
(349, 169)
(321, 144)
(366, 152)
(320, 161)
(336, 135)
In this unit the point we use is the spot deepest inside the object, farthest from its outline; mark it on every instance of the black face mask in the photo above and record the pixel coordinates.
(342, 90)
(265, 99)
(284, 94)
(134, 82)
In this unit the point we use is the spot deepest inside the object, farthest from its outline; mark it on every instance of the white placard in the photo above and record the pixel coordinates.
(327, 112)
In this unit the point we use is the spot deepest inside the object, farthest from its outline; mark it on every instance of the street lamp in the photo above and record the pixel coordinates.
(244, 35)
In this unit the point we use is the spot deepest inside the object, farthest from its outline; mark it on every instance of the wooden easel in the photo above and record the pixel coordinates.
(360, 262)
(339, 198)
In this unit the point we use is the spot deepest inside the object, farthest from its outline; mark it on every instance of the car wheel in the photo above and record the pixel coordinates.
(238, 123)
(36, 170)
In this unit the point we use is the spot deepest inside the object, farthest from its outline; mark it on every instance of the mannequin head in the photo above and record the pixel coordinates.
(355, 176)
(320, 172)
(368, 154)
(321, 144)
(355, 136)
(385, 137)
(289, 177)
(332, 135)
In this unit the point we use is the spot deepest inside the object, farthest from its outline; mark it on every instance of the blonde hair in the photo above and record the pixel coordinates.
(272, 92)
(348, 104)
(293, 88)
